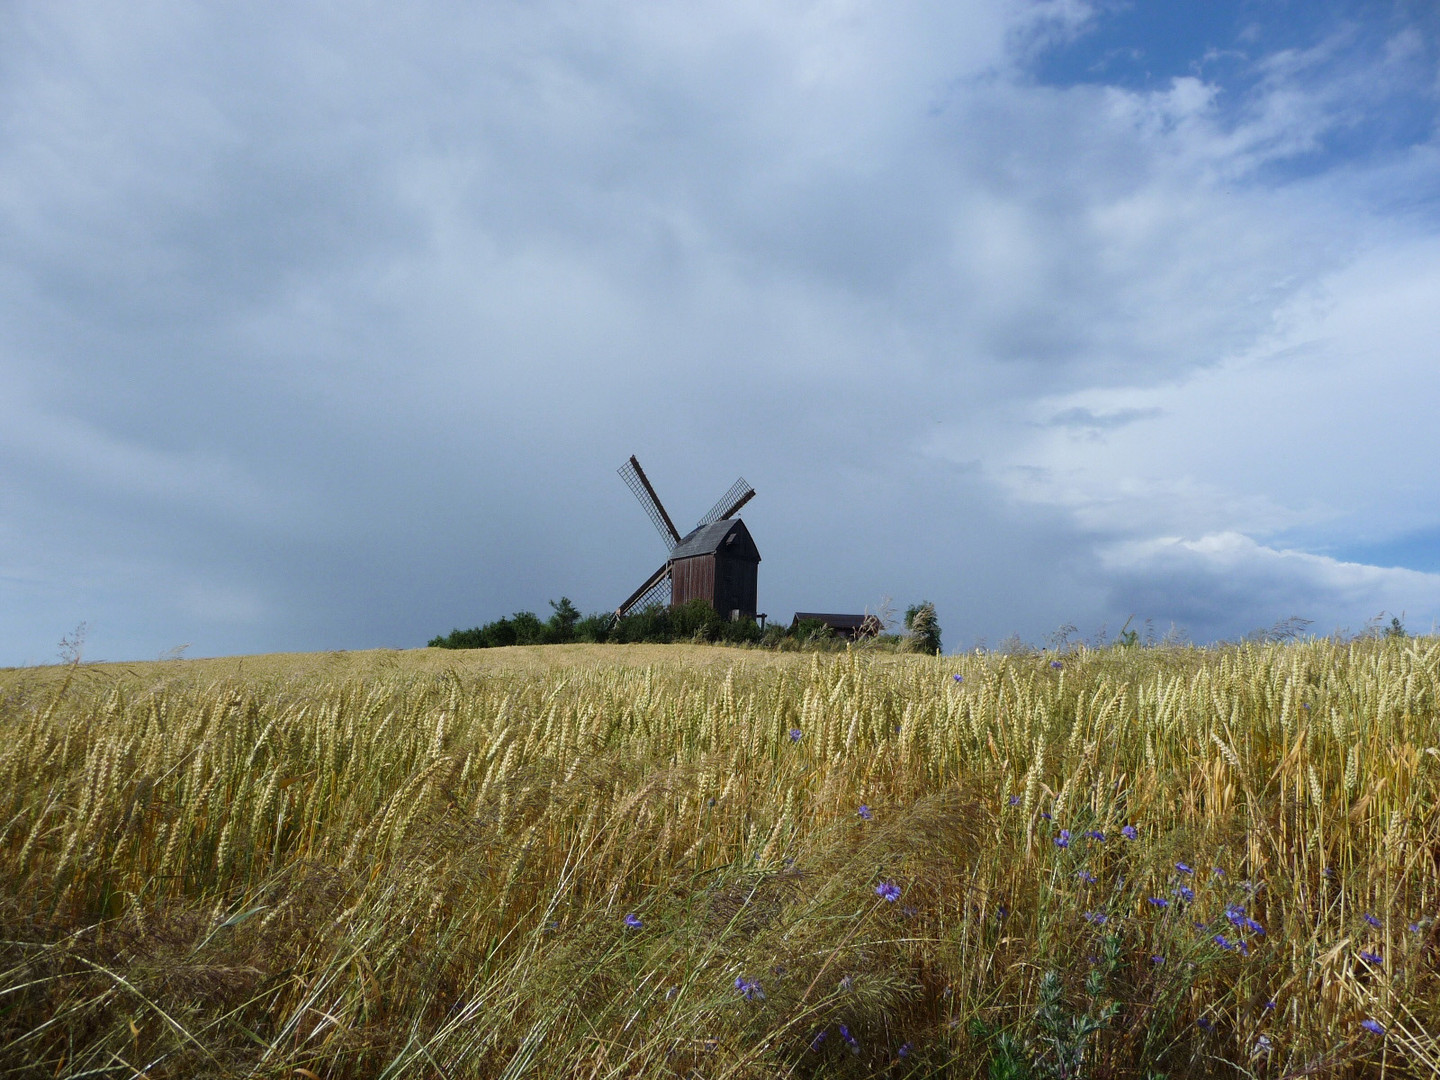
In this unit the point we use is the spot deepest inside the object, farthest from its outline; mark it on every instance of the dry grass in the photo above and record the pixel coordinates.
(420, 864)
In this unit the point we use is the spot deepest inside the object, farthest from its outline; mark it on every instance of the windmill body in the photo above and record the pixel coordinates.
(717, 561)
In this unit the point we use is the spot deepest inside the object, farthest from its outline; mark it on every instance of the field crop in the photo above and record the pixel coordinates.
(623, 861)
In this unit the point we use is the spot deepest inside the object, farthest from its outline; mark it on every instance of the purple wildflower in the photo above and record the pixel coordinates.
(819, 1038)
(1414, 928)
(796, 734)
(1157, 959)
(864, 812)
(1373, 1026)
(1056, 664)
(1223, 942)
(888, 890)
(1253, 926)
(1217, 871)
(1001, 912)
(1305, 704)
(1205, 1023)
(1014, 800)
(1372, 920)
(749, 989)
(958, 678)
(1096, 834)
(854, 1043)
(1085, 876)
(1129, 833)
(1184, 869)
(1063, 840)
(904, 1050)
(1095, 917)
(1159, 901)
(1185, 893)
(1202, 927)
(1370, 957)
(1269, 1005)
(633, 921)
(1046, 815)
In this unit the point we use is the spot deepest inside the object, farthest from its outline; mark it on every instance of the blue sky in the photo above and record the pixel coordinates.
(327, 328)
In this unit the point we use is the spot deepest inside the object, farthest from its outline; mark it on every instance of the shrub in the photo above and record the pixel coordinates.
(924, 628)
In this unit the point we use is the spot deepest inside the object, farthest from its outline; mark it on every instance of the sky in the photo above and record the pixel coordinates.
(326, 326)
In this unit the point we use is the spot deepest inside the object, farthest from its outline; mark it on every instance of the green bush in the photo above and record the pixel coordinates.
(924, 629)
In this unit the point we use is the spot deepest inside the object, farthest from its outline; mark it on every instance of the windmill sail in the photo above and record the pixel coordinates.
(636, 480)
(739, 494)
(655, 590)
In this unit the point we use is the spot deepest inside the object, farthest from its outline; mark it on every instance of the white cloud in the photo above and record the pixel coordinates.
(1220, 581)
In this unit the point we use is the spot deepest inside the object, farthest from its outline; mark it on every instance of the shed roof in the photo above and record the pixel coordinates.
(836, 622)
(727, 534)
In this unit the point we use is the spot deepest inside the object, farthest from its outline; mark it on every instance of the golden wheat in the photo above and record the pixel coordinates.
(423, 864)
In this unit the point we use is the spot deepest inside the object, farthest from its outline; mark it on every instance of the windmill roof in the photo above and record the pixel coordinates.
(708, 539)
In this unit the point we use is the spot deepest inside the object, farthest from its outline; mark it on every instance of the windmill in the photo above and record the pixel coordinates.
(716, 561)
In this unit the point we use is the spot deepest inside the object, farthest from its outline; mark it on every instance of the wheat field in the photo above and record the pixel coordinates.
(686, 861)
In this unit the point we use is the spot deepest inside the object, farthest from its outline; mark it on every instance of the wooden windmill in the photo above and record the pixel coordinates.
(716, 561)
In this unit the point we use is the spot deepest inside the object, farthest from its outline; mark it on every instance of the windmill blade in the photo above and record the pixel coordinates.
(636, 480)
(730, 503)
(655, 586)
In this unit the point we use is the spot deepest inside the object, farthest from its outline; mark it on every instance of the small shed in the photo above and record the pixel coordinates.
(850, 627)
(718, 563)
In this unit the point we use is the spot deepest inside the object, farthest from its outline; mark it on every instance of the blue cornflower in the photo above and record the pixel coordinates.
(1373, 1026)
(1372, 920)
(1414, 928)
(1157, 959)
(1236, 914)
(888, 890)
(854, 1043)
(1056, 664)
(1184, 869)
(1217, 871)
(1063, 840)
(1206, 1023)
(1085, 876)
(1185, 893)
(864, 812)
(1096, 834)
(819, 1038)
(958, 678)
(1244, 948)
(1159, 901)
(1202, 927)
(1014, 800)
(1095, 917)
(1046, 815)
(1305, 704)
(1370, 957)
(904, 1050)
(1129, 833)
(1001, 912)
(749, 989)
(796, 734)
(633, 921)
(1223, 942)
(1253, 926)
(1269, 1005)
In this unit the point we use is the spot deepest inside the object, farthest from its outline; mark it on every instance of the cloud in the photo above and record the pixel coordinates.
(1218, 582)
(320, 330)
